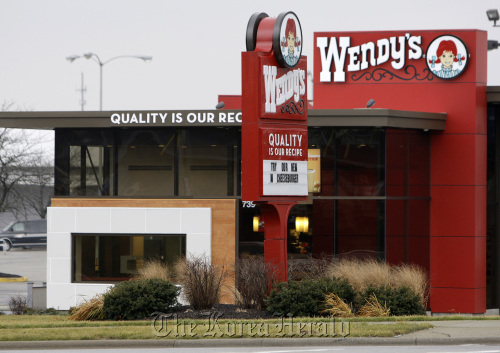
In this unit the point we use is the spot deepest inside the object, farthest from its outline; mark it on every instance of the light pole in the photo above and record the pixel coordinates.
(101, 63)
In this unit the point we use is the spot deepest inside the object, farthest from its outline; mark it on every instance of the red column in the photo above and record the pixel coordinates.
(458, 220)
(275, 216)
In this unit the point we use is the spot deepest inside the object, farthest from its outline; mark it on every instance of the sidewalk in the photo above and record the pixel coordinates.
(443, 333)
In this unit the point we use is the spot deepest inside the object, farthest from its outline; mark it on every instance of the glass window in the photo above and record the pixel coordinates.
(117, 257)
(360, 229)
(324, 140)
(89, 172)
(168, 162)
(360, 162)
(208, 162)
(18, 227)
(146, 162)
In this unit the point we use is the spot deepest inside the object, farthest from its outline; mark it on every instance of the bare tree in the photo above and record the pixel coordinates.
(26, 176)
(14, 154)
(34, 191)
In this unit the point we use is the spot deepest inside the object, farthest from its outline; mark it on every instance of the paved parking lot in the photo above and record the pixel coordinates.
(30, 263)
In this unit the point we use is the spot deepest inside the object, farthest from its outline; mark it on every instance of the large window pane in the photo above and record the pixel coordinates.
(324, 140)
(146, 162)
(360, 229)
(116, 257)
(360, 162)
(208, 162)
(90, 171)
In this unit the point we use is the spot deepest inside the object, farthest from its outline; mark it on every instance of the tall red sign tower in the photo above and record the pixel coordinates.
(274, 127)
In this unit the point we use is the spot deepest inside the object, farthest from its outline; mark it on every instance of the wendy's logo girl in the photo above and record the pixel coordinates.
(447, 57)
(289, 41)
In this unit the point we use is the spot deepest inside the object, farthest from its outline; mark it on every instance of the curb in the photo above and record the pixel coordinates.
(6, 277)
(17, 279)
(245, 342)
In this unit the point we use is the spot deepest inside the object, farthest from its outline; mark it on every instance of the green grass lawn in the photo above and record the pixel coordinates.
(46, 327)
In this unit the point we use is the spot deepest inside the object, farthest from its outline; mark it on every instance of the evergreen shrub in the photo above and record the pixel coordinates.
(307, 297)
(138, 299)
(402, 301)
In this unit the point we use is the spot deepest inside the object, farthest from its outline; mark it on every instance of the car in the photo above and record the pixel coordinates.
(24, 234)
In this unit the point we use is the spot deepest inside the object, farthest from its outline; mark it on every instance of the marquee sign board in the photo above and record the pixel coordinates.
(283, 163)
(274, 127)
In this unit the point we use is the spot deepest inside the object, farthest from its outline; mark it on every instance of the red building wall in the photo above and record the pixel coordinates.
(458, 155)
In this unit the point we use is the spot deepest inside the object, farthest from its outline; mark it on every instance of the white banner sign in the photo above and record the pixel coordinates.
(282, 177)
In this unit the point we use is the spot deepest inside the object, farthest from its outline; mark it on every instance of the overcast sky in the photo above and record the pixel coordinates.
(195, 45)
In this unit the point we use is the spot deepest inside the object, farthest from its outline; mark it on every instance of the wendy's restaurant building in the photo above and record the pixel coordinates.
(412, 179)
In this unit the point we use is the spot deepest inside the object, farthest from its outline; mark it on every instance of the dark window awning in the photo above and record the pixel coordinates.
(385, 118)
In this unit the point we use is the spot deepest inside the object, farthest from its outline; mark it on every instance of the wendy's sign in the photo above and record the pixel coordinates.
(284, 91)
(274, 97)
(389, 56)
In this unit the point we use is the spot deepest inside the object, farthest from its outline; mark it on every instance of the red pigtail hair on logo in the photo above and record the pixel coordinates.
(290, 27)
(445, 45)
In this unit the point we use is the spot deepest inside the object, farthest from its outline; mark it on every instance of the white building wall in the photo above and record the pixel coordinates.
(195, 223)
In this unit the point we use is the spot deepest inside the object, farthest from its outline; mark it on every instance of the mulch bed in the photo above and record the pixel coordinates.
(221, 311)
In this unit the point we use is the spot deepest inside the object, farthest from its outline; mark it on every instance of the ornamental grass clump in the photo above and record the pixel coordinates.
(412, 277)
(154, 269)
(90, 309)
(336, 307)
(363, 274)
(373, 308)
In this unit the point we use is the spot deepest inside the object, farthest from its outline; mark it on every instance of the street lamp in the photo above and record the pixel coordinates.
(101, 63)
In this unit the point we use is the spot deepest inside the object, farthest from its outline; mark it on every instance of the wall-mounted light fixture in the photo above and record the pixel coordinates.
(493, 16)
(492, 44)
(302, 224)
(258, 224)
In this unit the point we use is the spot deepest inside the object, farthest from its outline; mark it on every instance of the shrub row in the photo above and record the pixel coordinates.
(318, 294)
(308, 298)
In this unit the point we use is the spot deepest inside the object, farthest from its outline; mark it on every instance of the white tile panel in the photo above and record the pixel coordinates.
(61, 296)
(163, 220)
(93, 220)
(59, 245)
(196, 220)
(199, 245)
(61, 219)
(128, 220)
(60, 270)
